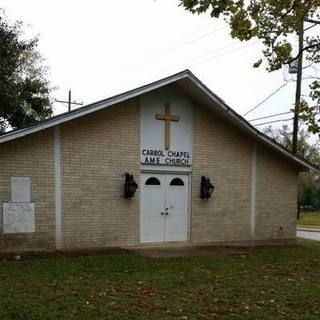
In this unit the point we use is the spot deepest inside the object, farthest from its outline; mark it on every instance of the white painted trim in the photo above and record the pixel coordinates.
(57, 180)
(189, 206)
(165, 169)
(253, 191)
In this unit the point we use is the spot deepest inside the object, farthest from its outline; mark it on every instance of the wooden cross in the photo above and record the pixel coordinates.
(167, 117)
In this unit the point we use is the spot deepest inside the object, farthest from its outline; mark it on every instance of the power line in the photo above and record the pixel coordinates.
(267, 98)
(226, 53)
(194, 32)
(208, 53)
(309, 77)
(214, 57)
(196, 39)
(306, 29)
(270, 116)
(312, 21)
(282, 120)
(166, 52)
(211, 58)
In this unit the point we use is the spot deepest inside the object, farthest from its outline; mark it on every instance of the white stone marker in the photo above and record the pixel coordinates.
(18, 217)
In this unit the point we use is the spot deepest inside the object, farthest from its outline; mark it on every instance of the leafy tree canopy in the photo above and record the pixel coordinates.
(306, 148)
(273, 22)
(24, 89)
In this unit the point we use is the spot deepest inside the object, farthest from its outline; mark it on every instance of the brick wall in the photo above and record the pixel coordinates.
(96, 152)
(276, 196)
(31, 156)
(224, 154)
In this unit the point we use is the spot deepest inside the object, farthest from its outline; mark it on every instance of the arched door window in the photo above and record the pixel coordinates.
(152, 181)
(176, 182)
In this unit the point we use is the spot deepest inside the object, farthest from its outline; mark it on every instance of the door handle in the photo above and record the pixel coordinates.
(162, 213)
(167, 213)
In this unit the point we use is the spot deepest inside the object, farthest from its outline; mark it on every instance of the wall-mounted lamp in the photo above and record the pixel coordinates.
(206, 188)
(130, 186)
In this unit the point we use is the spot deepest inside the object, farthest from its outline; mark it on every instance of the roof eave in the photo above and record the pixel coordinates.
(252, 130)
(238, 119)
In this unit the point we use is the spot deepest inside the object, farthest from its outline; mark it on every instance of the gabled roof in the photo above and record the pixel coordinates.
(184, 80)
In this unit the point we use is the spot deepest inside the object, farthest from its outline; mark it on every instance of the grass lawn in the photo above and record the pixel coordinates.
(272, 283)
(309, 218)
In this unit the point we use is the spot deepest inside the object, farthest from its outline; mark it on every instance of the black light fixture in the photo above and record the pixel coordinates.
(206, 188)
(130, 186)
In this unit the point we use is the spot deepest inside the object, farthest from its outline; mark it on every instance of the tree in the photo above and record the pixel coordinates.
(306, 149)
(309, 190)
(309, 183)
(24, 89)
(274, 22)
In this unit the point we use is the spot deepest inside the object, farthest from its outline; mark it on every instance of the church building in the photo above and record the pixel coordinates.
(166, 163)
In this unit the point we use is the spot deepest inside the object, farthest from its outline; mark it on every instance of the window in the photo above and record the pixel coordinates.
(176, 182)
(152, 181)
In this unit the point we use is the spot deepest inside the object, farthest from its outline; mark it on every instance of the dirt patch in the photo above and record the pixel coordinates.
(156, 252)
(31, 255)
(192, 251)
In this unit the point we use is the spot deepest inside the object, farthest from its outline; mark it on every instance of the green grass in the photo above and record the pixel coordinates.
(309, 219)
(270, 283)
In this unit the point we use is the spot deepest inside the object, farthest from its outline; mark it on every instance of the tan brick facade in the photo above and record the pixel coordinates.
(96, 152)
(31, 156)
(226, 156)
(276, 196)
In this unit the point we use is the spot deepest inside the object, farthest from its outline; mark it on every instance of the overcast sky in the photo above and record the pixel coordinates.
(102, 47)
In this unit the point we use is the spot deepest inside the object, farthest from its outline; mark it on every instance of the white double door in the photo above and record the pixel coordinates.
(164, 207)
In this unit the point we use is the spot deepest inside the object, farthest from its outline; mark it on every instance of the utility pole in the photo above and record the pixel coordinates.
(297, 103)
(298, 92)
(298, 87)
(69, 102)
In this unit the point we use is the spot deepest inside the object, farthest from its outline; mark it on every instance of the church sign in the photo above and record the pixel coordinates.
(166, 130)
(166, 157)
